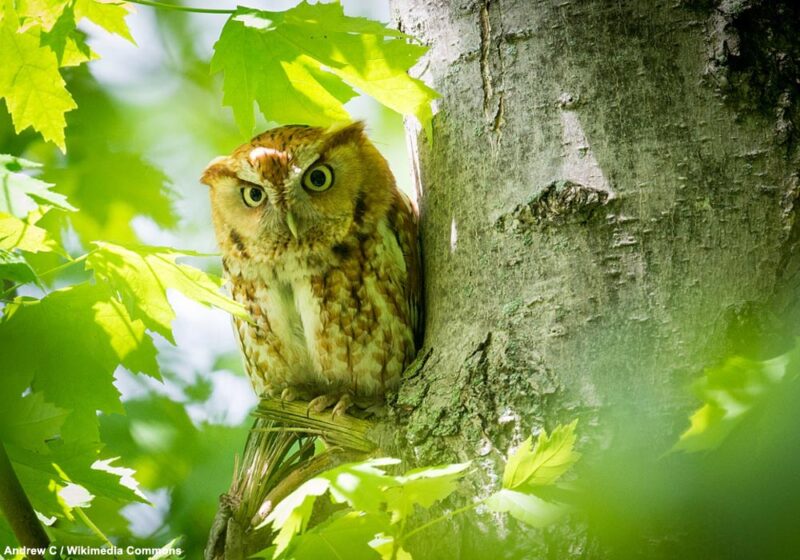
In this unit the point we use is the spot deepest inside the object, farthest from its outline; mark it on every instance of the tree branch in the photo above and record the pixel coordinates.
(177, 8)
(17, 509)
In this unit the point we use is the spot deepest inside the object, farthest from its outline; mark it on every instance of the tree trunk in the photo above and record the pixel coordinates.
(609, 194)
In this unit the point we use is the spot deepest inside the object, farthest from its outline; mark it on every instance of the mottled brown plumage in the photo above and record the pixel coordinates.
(321, 247)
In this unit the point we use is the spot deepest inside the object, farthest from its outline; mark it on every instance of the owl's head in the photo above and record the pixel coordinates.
(295, 186)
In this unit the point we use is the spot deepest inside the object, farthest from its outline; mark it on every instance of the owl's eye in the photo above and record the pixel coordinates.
(253, 196)
(318, 178)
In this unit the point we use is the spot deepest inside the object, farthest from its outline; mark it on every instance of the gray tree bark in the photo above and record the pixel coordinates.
(610, 193)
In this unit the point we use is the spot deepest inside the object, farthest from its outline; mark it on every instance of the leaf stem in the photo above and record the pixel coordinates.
(58, 268)
(92, 527)
(66, 264)
(444, 517)
(163, 6)
(17, 509)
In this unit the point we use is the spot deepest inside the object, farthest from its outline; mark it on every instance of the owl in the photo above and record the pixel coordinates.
(321, 248)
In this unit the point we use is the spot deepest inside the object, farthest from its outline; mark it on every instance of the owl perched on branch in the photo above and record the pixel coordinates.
(321, 248)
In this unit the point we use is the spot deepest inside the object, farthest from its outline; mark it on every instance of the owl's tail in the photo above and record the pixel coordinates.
(287, 446)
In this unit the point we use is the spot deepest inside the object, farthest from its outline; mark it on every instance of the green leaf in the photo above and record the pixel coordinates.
(15, 268)
(730, 391)
(74, 368)
(361, 485)
(30, 82)
(124, 474)
(422, 487)
(108, 15)
(292, 514)
(29, 421)
(44, 13)
(386, 546)
(367, 488)
(525, 507)
(142, 276)
(544, 464)
(77, 463)
(301, 65)
(67, 41)
(22, 193)
(19, 234)
(343, 535)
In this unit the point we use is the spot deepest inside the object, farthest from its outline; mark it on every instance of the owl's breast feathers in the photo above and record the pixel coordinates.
(344, 317)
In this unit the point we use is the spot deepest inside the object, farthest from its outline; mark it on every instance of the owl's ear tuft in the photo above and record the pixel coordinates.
(217, 168)
(344, 133)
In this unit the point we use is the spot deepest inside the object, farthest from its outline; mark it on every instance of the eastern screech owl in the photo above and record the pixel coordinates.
(321, 248)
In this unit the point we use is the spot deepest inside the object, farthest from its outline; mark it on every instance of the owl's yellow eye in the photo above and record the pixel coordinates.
(253, 196)
(318, 178)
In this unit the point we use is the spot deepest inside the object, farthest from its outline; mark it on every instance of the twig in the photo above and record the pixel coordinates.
(17, 509)
(164, 6)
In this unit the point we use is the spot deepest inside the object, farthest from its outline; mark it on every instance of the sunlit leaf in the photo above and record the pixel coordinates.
(343, 535)
(20, 193)
(19, 234)
(546, 462)
(526, 507)
(361, 485)
(422, 487)
(301, 65)
(14, 267)
(42, 474)
(108, 14)
(292, 514)
(67, 42)
(44, 13)
(386, 546)
(142, 276)
(31, 84)
(125, 474)
(75, 368)
(366, 488)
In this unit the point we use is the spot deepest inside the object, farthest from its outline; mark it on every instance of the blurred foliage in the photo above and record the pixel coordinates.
(730, 486)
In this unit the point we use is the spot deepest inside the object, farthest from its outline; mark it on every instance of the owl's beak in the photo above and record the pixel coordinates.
(291, 223)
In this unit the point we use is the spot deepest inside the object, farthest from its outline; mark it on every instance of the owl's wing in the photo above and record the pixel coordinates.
(405, 225)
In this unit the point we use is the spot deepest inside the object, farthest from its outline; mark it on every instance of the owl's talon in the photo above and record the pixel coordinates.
(288, 395)
(322, 402)
(341, 407)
